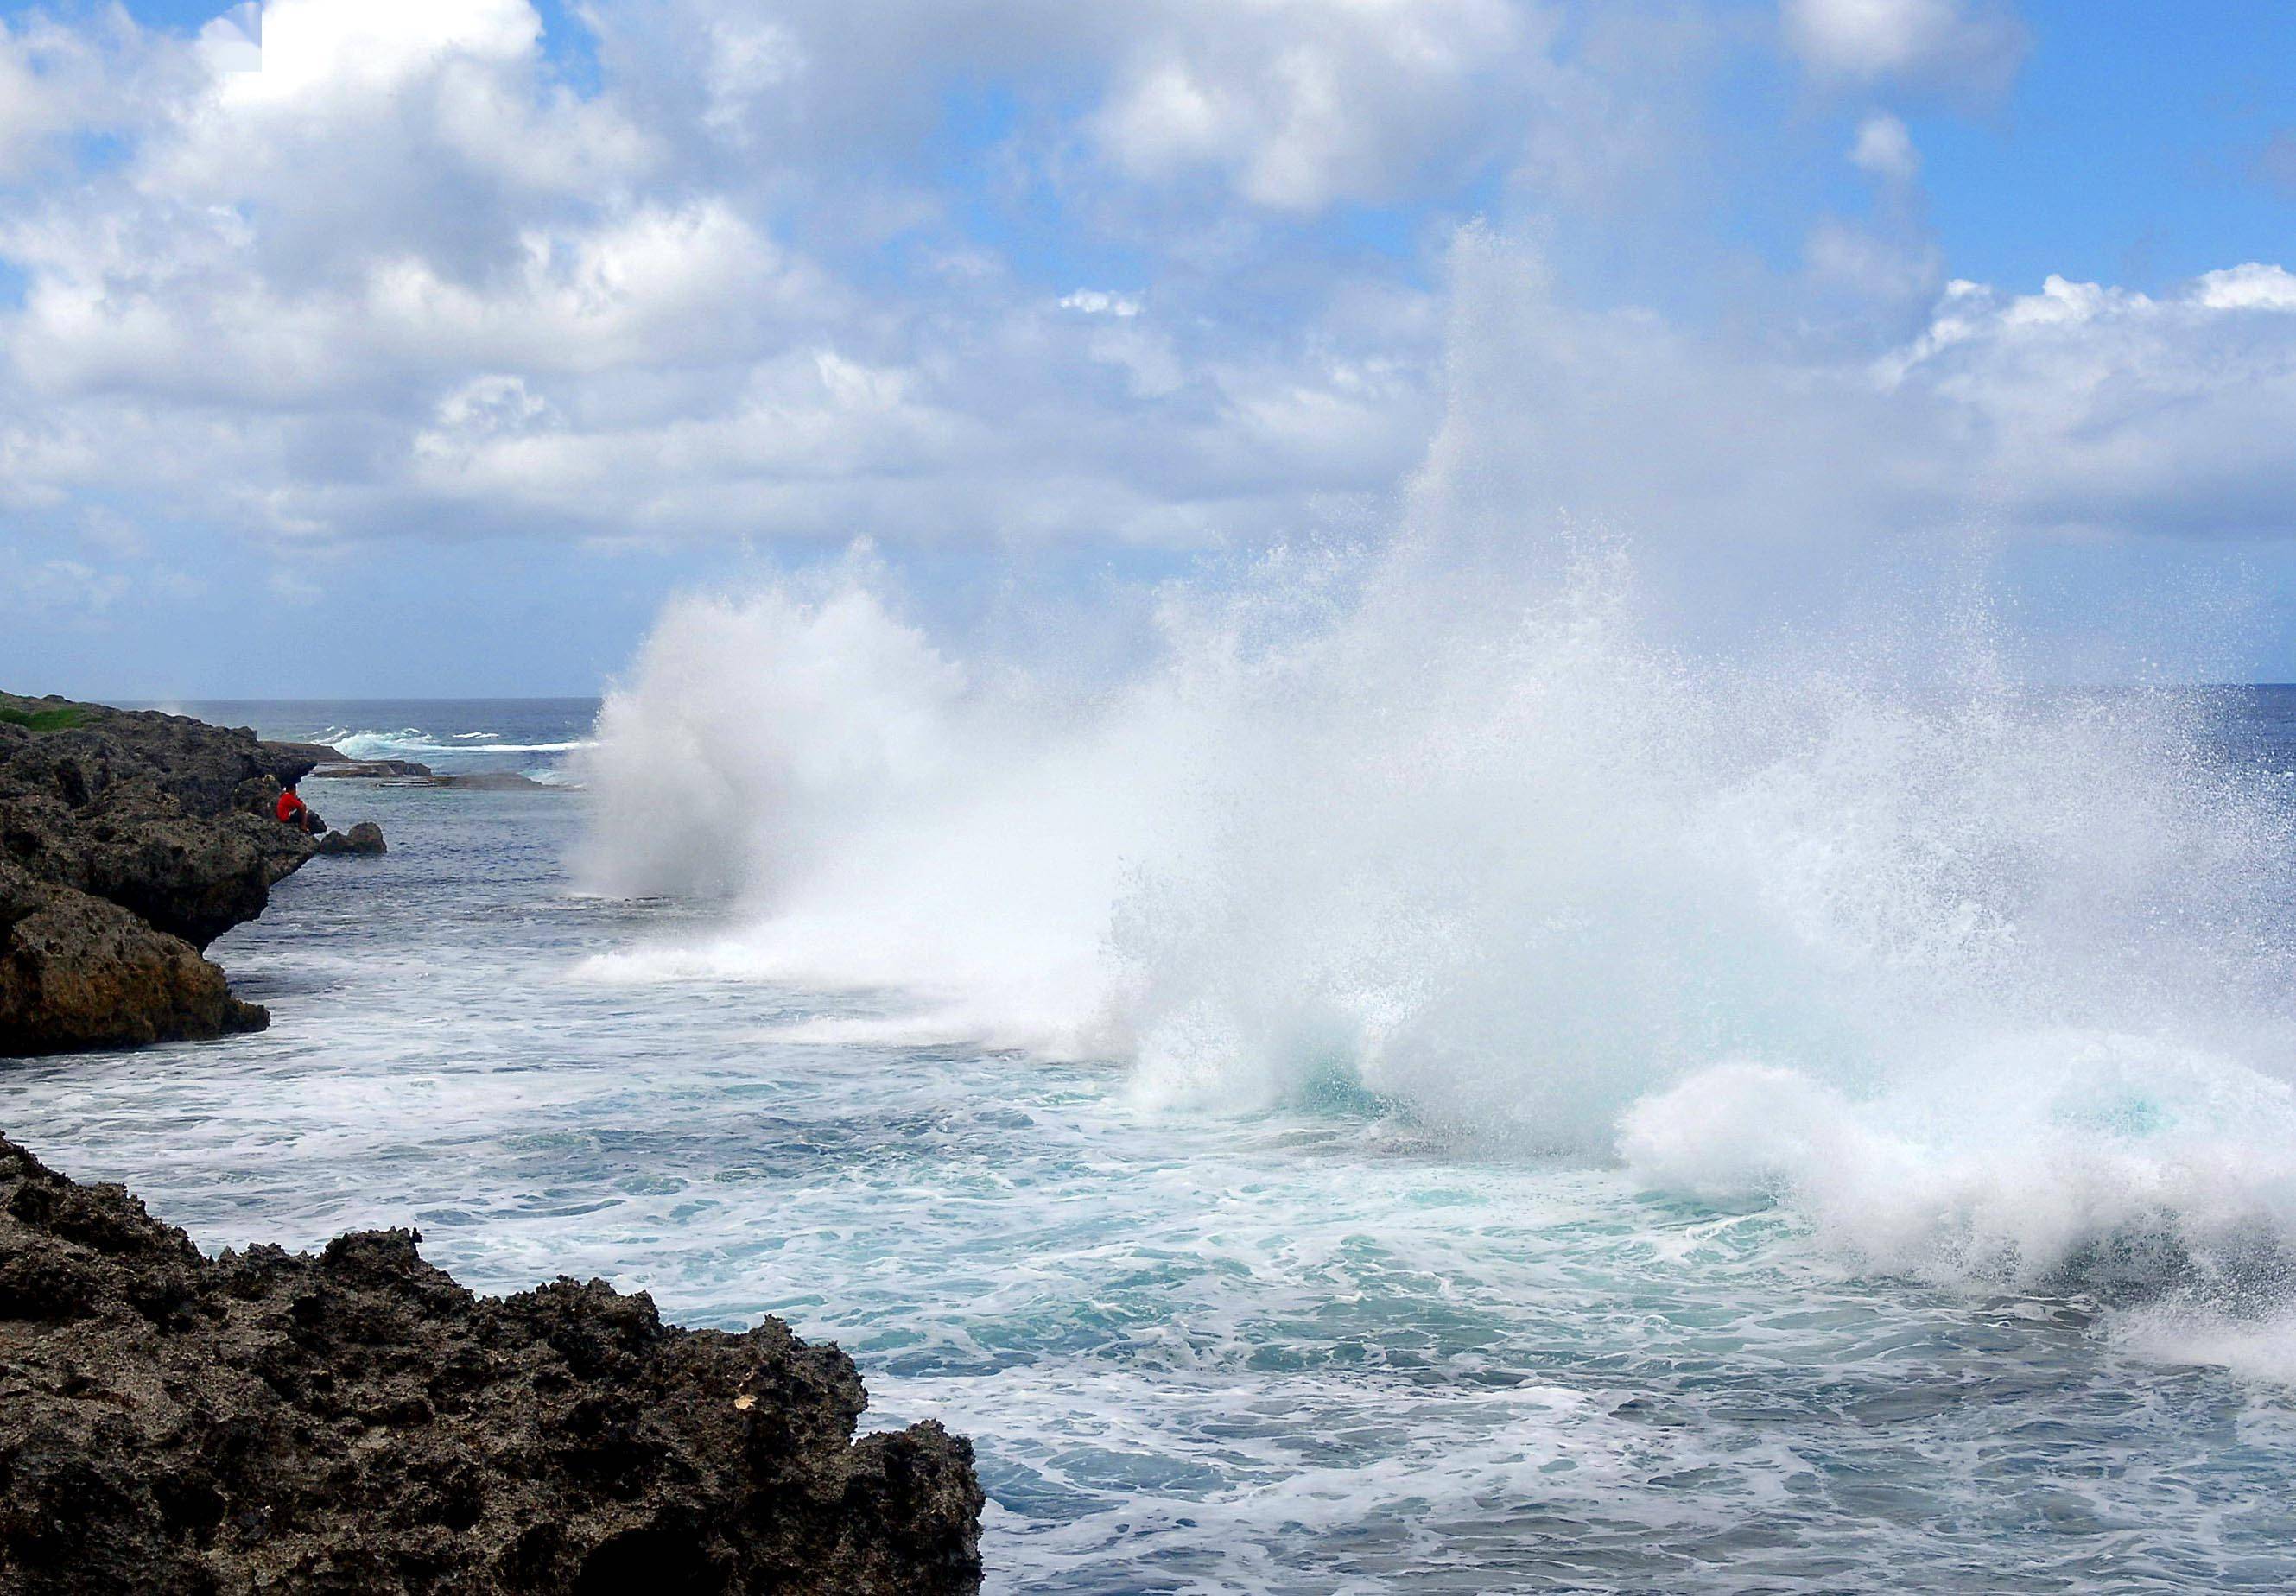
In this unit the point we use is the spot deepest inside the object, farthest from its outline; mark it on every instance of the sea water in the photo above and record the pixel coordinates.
(1396, 1314)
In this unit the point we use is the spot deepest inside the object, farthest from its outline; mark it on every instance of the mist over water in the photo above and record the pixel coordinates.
(1581, 1105)
(1985, 985)
(1426, 1085)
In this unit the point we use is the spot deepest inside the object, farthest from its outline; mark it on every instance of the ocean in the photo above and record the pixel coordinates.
(1723, 1292)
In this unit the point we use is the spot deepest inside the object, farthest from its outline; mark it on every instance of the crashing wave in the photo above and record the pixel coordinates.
(1988, 984)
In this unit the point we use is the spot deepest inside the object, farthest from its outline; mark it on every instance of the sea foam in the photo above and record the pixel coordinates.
(1988, 984)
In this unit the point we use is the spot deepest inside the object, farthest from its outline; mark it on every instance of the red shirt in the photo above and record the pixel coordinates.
(289, 806)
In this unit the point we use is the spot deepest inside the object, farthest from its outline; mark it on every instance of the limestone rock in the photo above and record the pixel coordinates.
(359, 1422)
(160, 816)
(77, 971)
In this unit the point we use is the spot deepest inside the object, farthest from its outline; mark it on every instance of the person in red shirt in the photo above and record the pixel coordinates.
(293, 809)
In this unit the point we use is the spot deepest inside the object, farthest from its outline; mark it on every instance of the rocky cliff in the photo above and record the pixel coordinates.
(128, 841)
(358, 1422)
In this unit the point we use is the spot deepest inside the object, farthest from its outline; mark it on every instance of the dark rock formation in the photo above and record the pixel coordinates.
(407, 773)
(342, 770)
(162, 817)
(364, 838)
(305, 757)
(358, 1422)
(493, 781)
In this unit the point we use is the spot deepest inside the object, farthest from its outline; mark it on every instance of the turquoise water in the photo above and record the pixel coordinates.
(1317, 1348)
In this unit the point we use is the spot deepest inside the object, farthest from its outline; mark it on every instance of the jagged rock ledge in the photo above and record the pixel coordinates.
(405, 772)
(129, 841)
(358, 1422)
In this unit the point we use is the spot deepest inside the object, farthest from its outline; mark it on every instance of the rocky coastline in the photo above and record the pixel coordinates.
(357, 1421)
(129, 841)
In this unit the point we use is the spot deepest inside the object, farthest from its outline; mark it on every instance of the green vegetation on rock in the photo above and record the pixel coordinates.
(43, 720)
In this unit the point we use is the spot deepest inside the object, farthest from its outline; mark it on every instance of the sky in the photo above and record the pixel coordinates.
(355, 348)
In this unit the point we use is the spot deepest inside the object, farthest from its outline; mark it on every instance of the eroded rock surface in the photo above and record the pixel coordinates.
(77, 971)
(359, 1422)
(146, 836)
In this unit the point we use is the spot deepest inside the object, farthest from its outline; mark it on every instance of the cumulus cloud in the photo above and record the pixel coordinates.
(2080, 409)
(56, 82)
(1291, 105)
(1965, 46)
(405, 274)
(2095, 407)
(32, 108)
(234, 41)
(412, 278)
(1317, 100)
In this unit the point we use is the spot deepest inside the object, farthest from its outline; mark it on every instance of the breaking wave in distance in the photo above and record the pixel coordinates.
(413, 742)
(1987, 985)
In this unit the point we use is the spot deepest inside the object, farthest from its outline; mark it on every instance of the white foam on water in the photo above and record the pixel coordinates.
(2013, 1166)
(1988, 985)
(2257, 1348)
(414, 742)
(1301, 1351)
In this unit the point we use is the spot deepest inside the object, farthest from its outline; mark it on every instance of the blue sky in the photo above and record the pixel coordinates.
(2126, 152)
(433, 354)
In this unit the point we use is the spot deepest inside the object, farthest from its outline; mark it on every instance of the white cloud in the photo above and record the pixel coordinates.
(53, 84)
(428, 123)
(2251, 287)
(405, 278)
(2099, 408)
(1965, 46)
(2081, 410)
(747, 60)
(234, 41)
(1875, 265)
(1298, 104)
(31, 109)
(319, 54)
(646, 288)
(1885, 149)
(1093, 302)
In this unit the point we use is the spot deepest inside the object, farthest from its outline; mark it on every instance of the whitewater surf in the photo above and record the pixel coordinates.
(1430, 1079)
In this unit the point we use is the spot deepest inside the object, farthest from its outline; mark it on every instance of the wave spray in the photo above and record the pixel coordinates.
(1987, 984)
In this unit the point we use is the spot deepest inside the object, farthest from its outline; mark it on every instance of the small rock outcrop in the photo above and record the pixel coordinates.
(366, 770)
(358, 1421)
(77, 971)
(364, 838)
(493, 780)
(129, 841)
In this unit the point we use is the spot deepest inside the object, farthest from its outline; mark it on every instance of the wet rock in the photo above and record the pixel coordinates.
(349, 769)
(493, 781)
(160, 817)
(358, 1421)
(364, 838)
